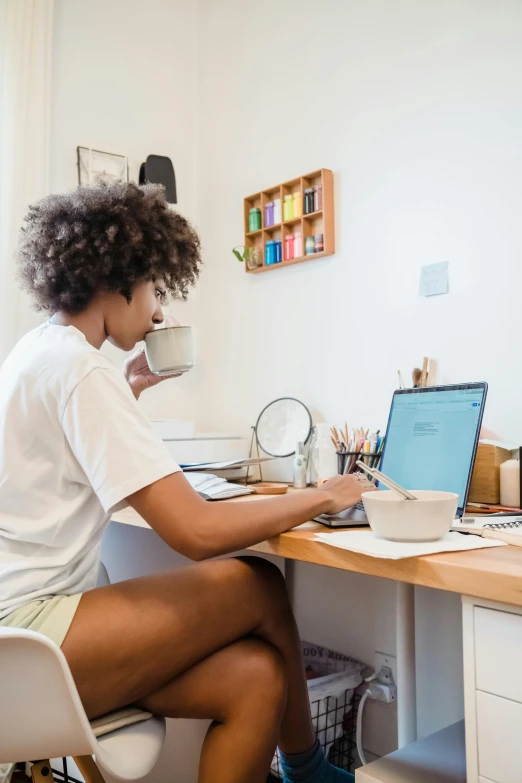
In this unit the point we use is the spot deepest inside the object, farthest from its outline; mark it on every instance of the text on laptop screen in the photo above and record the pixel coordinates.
(430, 439)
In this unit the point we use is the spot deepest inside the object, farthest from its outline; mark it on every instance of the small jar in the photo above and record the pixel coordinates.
(254, 258)
(270, 253)
(277, 211)
(288, 208)
(298, 244)
(254, 219)
(309, 246)
(278, 251)
(309, 206)
(289, 247)
(318, 198)
(318, 243)
(269, 213)
(298, 204)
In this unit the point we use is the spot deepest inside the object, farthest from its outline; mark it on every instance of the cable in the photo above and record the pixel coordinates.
(358, 731)
(373, 691)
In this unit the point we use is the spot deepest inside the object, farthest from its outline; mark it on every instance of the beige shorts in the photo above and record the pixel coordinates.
(52, 616)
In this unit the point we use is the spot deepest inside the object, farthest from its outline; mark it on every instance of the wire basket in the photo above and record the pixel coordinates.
(338, 713)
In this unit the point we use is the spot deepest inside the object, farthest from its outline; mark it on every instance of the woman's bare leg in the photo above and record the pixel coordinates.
(243, 688)
(130, 641)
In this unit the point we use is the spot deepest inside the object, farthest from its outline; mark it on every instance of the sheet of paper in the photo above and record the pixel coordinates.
(434, 279)
(365, 542)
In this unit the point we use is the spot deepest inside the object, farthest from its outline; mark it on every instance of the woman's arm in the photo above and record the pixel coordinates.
(200, 529)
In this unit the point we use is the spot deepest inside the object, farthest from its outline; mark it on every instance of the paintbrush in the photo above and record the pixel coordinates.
(424, 373)
(416, 377)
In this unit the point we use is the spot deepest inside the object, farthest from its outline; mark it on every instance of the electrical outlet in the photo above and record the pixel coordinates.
(389, 664)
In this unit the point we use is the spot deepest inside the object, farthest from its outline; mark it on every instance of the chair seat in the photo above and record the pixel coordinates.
(42, 717)
(131, 752)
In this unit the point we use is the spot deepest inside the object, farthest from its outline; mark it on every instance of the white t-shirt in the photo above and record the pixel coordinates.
(74, 444)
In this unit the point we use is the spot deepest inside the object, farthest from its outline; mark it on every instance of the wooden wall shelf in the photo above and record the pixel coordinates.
(318, 222)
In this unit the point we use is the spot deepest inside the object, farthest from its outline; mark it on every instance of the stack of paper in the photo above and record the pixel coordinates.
(212, 487)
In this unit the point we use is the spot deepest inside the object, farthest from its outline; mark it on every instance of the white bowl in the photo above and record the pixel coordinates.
(426, 519)
(170, 350)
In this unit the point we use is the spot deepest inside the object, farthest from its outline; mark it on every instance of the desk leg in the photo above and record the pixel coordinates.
(406, 685)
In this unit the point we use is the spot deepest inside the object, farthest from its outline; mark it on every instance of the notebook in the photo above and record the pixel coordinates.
(212, 487)
(512, 524)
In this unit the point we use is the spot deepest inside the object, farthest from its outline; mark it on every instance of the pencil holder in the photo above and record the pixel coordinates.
(351, 457)
(342, 457)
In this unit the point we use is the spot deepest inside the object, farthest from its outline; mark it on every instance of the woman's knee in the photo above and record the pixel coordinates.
(260, 675)
(265, 573)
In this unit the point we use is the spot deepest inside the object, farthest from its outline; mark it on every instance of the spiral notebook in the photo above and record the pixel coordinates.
(511, 525)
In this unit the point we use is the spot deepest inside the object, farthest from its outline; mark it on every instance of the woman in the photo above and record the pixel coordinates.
(217, 640)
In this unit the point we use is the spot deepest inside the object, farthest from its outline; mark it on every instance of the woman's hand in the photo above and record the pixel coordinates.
(137, 371)
(345, 491)
(139, 375)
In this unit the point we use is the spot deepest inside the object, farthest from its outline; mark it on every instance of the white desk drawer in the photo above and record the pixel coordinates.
(498, 642)
(499, 724)
(485, 780)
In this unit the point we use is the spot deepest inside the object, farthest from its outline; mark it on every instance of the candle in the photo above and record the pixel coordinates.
(510, 483)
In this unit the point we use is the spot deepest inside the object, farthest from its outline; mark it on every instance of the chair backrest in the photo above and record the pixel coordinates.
(41, 715)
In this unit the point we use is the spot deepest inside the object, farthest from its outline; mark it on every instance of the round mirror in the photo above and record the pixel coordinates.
(281, 425)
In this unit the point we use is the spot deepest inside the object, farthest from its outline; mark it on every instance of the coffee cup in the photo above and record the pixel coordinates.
(170, 350)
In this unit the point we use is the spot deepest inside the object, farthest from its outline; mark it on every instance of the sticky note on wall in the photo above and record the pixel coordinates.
(434, 279)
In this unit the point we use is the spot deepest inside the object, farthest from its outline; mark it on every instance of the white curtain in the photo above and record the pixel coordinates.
(25, 106)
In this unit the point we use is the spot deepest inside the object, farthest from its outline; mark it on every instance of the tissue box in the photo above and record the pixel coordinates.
(485, 482)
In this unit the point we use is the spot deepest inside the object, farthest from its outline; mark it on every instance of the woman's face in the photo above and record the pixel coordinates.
(127, 323)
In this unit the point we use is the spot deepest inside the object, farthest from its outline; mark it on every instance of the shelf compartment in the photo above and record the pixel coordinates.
(256, 240)
(252, 202)
(290, 188)
(294, 222)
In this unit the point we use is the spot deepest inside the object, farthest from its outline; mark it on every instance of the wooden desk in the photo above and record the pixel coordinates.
(487, 574)
(494, 574)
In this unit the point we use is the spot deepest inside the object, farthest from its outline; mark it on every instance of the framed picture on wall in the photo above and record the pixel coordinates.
(96, 166)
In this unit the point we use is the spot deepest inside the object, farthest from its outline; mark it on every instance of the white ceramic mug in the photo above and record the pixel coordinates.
(170, 350)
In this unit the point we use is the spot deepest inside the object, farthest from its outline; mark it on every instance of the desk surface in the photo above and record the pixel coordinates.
(494, 574)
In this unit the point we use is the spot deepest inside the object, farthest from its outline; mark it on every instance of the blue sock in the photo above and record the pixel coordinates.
(311, 767)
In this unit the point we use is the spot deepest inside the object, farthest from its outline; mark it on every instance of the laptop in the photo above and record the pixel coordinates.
(431, 443)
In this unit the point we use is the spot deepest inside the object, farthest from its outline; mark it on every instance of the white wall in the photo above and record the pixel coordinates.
(415, 105)
(124, 75)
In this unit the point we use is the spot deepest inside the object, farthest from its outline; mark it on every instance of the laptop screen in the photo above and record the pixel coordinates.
(432, 437)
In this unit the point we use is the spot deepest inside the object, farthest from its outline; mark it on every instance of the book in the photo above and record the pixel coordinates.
(211, 487)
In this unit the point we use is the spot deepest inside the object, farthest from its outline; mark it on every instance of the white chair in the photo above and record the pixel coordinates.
(41, 717)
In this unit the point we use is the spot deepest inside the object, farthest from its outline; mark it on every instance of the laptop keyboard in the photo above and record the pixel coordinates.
(359, 506)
